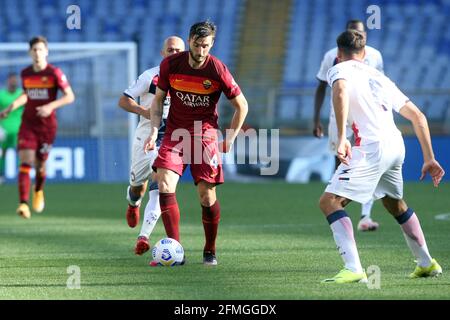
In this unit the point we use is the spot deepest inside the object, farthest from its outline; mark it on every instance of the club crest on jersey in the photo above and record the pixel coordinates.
(207, 84)
(44, 79)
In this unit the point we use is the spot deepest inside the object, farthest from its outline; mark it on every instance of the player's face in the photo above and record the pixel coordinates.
(173, 46)
(39, 52)
(199, 48)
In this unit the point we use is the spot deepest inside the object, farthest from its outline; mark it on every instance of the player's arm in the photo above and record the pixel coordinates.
(20, 101)
(422, 131)
(241, 109)
(130, 105)
(318, 102)
(156, 112)
(341, 106)
(47, 109)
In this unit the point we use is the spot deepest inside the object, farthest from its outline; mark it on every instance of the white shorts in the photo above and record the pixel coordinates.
(374, 171)
(141, 163)
(333, 136)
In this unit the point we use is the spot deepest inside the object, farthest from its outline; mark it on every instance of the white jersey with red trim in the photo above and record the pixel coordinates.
(372, 97)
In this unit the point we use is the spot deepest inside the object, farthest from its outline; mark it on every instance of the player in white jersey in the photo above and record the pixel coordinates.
(144, 89)
(372, 57)
(364, 98)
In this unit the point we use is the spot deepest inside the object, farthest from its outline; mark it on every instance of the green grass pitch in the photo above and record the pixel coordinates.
(273, 244)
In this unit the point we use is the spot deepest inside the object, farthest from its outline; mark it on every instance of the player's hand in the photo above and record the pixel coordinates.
(225, 146)
(44, 111)
(318, 130)
(5, 113)
(149, 144)
(434, 169)
(344, 151)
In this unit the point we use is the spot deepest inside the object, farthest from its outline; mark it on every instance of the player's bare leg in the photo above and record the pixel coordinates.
(210, 218)
(333, 208)
(27, 158)
(412, 231)
(134, 197)
(38, 202)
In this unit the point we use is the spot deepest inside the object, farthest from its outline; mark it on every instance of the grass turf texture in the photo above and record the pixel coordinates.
(273, 244)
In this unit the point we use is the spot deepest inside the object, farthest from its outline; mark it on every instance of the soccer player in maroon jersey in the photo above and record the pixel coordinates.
(37, 132)
(194, 79)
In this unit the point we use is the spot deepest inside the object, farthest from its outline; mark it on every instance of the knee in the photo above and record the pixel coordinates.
(207, 199)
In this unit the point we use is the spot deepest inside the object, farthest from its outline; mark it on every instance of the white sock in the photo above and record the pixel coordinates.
(134, 203)
(151, 215)
(366, 209)
(345, 242)
(416, 240)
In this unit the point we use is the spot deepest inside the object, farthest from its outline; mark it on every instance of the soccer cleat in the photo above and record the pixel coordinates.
(132, 216)
(347, 276)
(433, 270)
(209, 258)
(142, 246)
(367, 224)
(38, 201)
(23, 210)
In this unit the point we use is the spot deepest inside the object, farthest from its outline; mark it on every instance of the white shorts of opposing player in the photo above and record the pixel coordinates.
(141, 162)
(374, 171)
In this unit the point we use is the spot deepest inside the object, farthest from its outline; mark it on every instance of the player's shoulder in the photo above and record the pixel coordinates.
(371, 51)
(331, 54)
(27, 70)
(150, 73)
(176, 58)
(54, 69)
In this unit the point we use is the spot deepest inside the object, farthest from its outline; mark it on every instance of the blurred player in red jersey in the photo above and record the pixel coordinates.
(194, 79)
(40, 82)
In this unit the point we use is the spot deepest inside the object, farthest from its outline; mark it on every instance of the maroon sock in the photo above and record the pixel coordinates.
(24, 182)
(40, 180)
(210, 219)
(170, 214)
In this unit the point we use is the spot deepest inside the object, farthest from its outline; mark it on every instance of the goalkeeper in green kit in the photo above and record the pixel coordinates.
(9, 127)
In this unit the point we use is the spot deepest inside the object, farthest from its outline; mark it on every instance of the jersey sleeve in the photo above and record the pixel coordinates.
(398, 98)
(61, 79)
(336, 73)
(229, 87)
(163, 81)
(380, 65)
(326, 64)
(140, 86)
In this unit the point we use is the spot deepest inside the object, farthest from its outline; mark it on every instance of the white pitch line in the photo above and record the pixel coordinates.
(443, 216)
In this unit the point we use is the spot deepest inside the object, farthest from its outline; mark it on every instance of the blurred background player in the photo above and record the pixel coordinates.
(195, 80)
(144, 89)
(373, 58)
(372, 168)
(9, 127)
(40, 82)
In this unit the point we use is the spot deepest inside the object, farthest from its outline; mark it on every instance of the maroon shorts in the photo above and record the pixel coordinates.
(200, 152)
(40, 141)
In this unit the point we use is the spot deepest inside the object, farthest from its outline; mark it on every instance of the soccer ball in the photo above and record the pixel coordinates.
(168, 252)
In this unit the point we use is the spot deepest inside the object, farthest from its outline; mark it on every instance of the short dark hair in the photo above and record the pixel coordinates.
(202, 30)
(351, 24)
(38, 39)
(351, 42)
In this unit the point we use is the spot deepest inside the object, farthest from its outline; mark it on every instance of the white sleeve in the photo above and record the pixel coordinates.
(335, 73)
(398, 98)
(380, 66)
(139, 87)
(326, 64)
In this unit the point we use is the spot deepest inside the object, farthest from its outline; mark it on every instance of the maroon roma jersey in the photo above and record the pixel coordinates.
(195, 92)
(41, 88)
